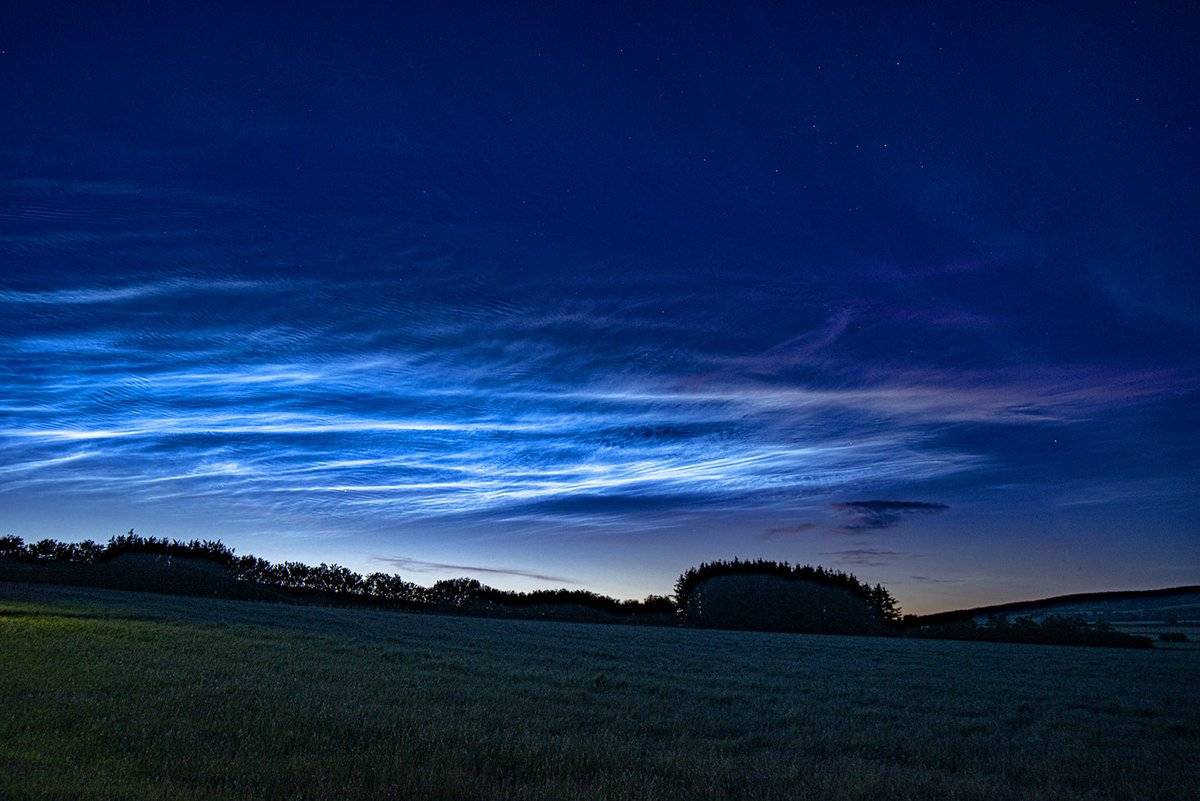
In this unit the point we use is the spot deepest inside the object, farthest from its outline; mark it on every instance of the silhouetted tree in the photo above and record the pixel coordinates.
(885, 605)
(391, 587)
(454, 593)
(13, 547)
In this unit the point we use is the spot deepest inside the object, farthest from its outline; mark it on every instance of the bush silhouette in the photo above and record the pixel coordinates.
(1051, 630)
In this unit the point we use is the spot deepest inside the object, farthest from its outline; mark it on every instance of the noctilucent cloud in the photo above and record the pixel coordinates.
(552, 296)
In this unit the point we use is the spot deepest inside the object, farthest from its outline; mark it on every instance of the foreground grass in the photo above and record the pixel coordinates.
(109, 695)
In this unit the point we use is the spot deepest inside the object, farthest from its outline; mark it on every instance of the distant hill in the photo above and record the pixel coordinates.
(1167, 605)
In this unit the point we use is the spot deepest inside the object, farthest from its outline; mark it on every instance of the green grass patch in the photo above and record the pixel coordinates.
(112, 695)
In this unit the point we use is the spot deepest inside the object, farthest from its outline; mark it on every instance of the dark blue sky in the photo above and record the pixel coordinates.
(550, 295)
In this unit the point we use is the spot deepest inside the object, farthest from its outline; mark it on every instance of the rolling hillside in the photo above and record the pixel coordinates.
(1170, 605)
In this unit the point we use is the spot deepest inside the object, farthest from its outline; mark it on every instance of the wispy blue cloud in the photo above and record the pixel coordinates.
(119, 294)
(428, 432)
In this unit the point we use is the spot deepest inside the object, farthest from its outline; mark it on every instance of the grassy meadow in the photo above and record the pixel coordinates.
(115, 695)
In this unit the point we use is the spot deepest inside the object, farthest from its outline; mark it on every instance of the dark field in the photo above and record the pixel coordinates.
(112, 695)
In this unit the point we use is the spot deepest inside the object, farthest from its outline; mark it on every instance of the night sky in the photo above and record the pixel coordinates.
(558, 297)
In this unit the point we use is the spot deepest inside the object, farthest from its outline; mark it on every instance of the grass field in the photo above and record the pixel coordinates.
(111, 695)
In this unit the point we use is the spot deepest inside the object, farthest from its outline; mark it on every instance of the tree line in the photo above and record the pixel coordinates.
(334, 581)
(754, 594)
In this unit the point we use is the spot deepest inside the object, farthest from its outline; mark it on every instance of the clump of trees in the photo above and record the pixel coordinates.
(1051, 630)
(779, 596)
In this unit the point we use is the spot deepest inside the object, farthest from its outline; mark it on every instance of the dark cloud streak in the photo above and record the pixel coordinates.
(781, 531)
(868, 557)
(875, 515)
